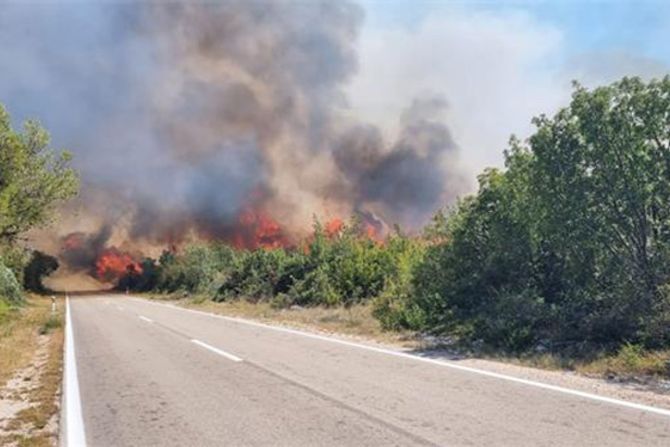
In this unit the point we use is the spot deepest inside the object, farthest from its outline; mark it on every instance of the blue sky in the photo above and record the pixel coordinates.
(499, 63)
(641, 26)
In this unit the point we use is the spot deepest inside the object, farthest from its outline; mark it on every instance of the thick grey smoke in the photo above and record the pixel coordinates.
(184, 115)
(410, 179)
(81, 250)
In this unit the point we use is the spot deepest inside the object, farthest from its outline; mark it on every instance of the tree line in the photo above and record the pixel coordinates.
(34, 179)
(568, 246)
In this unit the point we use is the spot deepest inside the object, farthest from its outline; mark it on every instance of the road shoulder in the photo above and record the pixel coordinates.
(29, 399)
(311, 321)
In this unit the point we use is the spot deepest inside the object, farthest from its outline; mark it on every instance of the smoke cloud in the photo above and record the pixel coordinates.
(187, 118)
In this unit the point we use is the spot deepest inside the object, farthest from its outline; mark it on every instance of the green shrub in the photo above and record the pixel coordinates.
(396, 307)
(198, 269)
(10, 290)
(15, 258)
(630, 356)
(259, 274)
(315, 288)
(281, 301)
(52, 323)
(349, 268)
(514, 320)
(5, 310)
(356, 269)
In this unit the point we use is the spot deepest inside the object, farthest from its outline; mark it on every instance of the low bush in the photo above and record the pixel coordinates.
(259, 274)
(5, 311)
(16, 258)
(10, 289)
(53, 322)
(314, 289)
(396, 307)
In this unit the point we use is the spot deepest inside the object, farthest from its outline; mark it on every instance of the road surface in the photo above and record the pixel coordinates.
(154, 375)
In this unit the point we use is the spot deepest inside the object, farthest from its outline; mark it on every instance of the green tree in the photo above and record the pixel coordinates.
(601, 175)
(33, 178)
(571, 243)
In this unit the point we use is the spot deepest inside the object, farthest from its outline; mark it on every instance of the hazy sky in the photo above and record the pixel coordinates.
(495, 63)
(498, 63)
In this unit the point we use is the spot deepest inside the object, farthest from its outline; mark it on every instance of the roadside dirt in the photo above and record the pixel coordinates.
(29, 401)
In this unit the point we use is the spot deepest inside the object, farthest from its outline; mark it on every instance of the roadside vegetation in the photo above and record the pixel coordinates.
(355, 321)
(34, 179)
(564, 253)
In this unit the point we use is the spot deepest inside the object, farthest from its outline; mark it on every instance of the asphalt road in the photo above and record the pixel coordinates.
(150, 374)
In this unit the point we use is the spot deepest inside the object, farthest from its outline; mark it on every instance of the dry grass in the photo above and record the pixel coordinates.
(546, 361)
(629, 363)
(356, 321)
(34, 426)
(18, 335)
(44, 398)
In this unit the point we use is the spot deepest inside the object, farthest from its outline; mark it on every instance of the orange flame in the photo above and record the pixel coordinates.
(112, 264)
(371, 232)
(334, 227)
(258, 230)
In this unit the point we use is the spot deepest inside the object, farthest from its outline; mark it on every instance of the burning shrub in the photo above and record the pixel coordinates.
(142, 279)
(114, 264)
(339, 265)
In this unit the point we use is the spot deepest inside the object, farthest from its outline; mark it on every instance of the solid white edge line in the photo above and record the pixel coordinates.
(74, 434)
(148, 320)
(444, 363)
(225, 354)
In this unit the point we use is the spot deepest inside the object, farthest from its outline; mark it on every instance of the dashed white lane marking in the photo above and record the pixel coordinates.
(120, 308)
(143, 318)
(74, 434)
(225, 354)
(444, 363)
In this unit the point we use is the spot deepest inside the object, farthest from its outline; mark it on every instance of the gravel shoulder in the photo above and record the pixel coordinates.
(32, 348)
